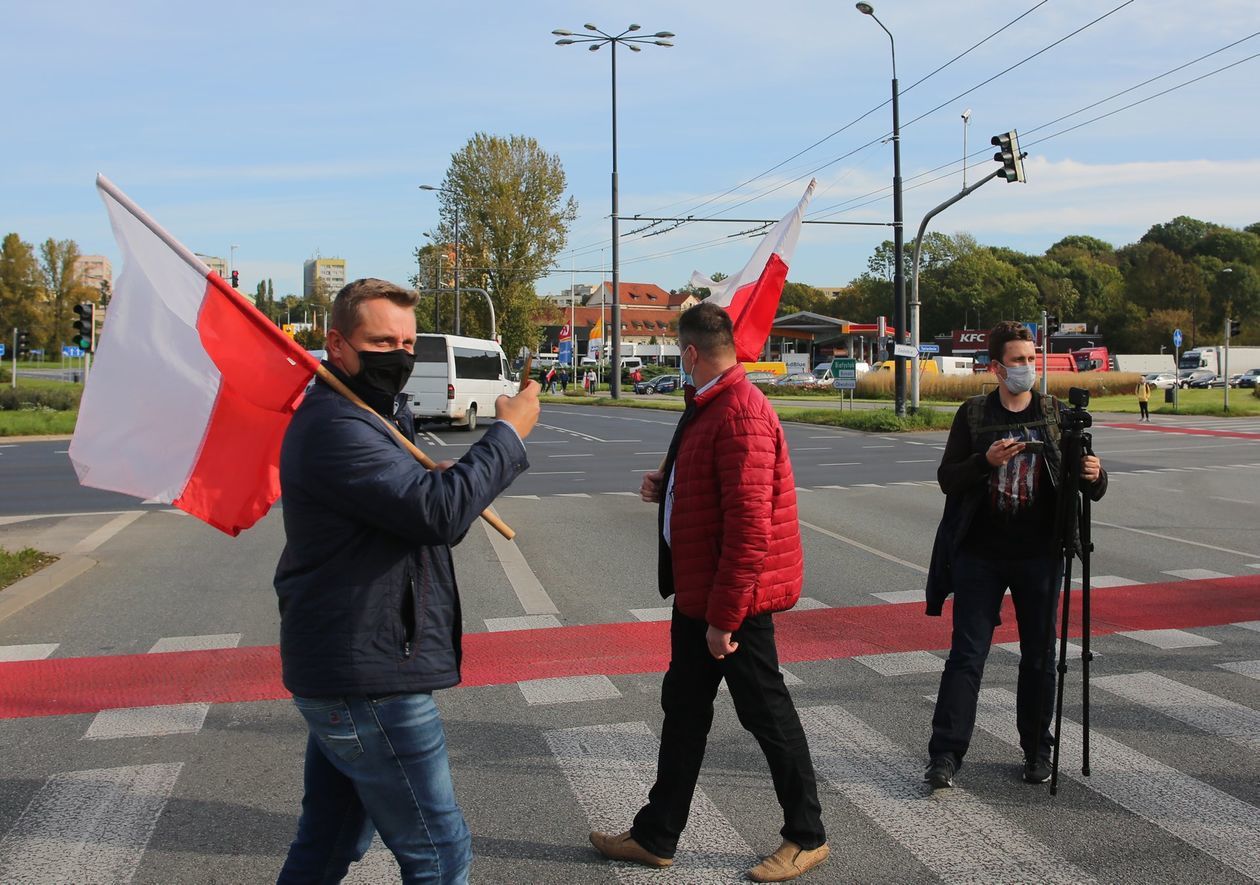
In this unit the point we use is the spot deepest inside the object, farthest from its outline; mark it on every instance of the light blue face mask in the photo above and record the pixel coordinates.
(1020, 379)
(686, 375)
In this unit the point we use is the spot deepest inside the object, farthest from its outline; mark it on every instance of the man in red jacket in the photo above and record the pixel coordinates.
(730, 553)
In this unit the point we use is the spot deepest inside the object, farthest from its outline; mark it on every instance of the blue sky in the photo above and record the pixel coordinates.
(288, 128)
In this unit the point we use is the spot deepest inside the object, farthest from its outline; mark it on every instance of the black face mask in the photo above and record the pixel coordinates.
(385, 371)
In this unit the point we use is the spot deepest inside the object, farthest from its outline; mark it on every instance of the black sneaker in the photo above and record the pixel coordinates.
(940, 774)
(1036, 771)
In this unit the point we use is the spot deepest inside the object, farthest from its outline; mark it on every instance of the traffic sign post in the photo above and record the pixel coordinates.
(1177, 370)
(844, 375)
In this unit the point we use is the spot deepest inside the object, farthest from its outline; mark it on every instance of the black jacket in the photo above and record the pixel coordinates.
(963, 476)
(366, 585)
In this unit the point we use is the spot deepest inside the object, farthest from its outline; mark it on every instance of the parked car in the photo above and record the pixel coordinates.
(762, 377)
(1203, 380)
(797, 379)
(659, 384)
(1248, 378)
(1161, 380)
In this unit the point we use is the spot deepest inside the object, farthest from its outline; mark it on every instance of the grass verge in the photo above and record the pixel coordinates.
(16, 566)
(37, 422)
(1191, 402)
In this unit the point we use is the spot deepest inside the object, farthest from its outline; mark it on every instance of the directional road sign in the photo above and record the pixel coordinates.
(844, 371)
(1176, 337)
(929, 348)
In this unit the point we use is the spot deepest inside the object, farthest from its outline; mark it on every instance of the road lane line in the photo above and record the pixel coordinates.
(527, 622)
(1243, 668)
(1196, 574)
(87, 826)
(195, 643)
(567, 690)
(1125, 528)
(582, 455)
(132, 722)
(919, 461)
(961, 840)
(843, 464)
(27, 652)
(1110, 581)
(557, 472)
(525, 584)
(610, 769)
(1198, 814)
(1169, 639)
(901, 663)
(859, 545)
(105, 532)
(1199, 709)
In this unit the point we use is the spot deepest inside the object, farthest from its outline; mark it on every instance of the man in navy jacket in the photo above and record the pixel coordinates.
(369, 607)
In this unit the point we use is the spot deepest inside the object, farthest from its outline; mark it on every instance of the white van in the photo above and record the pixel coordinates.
(457, 379)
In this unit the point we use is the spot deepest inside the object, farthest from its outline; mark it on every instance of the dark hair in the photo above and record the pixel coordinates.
(707, 328)
(345, 309)
(999, 335)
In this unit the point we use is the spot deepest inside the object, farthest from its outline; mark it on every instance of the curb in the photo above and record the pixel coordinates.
(35, 587)
(25, 439)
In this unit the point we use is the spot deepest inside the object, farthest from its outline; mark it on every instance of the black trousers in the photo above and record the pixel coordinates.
(979, 585)
(764, 708)
(1145, 407)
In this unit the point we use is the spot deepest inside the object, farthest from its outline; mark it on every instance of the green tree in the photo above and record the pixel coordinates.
(21, 287)
(62, 286)
(1230, 246)
(1180, 235)
(514, 221)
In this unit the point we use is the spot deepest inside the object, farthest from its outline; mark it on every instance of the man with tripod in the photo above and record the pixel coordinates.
(1001, 473)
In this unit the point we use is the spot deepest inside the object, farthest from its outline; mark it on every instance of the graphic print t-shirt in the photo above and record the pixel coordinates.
(1017, 519)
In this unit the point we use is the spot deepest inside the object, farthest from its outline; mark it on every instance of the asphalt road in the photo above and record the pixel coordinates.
(209, 792)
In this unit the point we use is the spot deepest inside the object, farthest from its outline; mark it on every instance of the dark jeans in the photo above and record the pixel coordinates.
(979, 585)
(764, 708)
(377, 764)
(1145, 407)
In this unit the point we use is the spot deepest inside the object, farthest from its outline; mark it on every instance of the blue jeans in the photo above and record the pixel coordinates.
(979, 585)
(377, 764)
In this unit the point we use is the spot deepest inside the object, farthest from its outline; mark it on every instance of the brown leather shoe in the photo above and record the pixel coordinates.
(623, 847)
(788, 862)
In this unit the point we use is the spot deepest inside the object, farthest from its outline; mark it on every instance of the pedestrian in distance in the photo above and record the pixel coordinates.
(1001, 472)
(551, 380)
(729, 551)
(1144, 398)
(564, 382)
(369, 611)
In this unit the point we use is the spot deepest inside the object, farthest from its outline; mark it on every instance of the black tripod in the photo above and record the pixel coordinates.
(1072, 528)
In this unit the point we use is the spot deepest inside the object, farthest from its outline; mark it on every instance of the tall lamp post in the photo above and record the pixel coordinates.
(455, 204)
(568, 38)
(899, 246)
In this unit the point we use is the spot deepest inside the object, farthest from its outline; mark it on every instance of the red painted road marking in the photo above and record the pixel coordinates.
(1191, 431)
(60, 686)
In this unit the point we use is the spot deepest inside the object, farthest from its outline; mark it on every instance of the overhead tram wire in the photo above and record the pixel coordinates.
(594, 246)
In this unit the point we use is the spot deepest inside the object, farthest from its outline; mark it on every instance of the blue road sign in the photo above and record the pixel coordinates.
(1176, 337)
(1033, 327)
(1, 349)
(73, 352)
(929, 348)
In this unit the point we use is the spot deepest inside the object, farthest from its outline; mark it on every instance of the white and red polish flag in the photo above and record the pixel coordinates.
(192, 387)
(752, 296)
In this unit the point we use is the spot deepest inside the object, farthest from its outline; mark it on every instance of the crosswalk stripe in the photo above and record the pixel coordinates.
(567, 690)
(1244, 668)
(961, 840)
(9, 653)
(132, 722)
(660, 613)
(610, 769)
(87, 826)
(521, 622)
(195, 643)
(1196, 574)
(1098, 581)
(1168, 639)
(901, 663)
(1199, 814)
(900, 596)
(1248, 625)
(1195, 707)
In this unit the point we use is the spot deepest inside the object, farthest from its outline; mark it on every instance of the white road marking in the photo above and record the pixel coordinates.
(524, 497)
(961, 840)
(879, 447)
(378, 867)
(808, 603)
(868, 485)
(1125, 528)
(858, 544)
(1074, 650)
(664, 613)
(1199, 709)
(812, 449)
(525, 584)
(788, 679)
(610, 769)
(196, 643)
(26, 652)
(919, 461)
(900, 663)
(1198, 814)
(897, 597)
(1230, 500)
(558, 473)
(1196, 574)
(843, 464)
(803, 489)
(1244, 668)
(581, 455)
(527, 622)
(622, 494)
(652, 453)
(1248, 625)
(567, 690)
(105, 532)
(1168, 639)
(837, 488)
(1108, 581)
(570, 495)
(87, 826)
(130, 722)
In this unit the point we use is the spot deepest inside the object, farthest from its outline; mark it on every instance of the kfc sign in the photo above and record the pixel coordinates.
(970, 339)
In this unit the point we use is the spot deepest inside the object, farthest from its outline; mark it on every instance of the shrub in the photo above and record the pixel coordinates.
(27, 399)
(956, 388)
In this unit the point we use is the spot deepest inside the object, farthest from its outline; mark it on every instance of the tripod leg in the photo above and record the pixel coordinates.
(1086, 654)
(1061, 668)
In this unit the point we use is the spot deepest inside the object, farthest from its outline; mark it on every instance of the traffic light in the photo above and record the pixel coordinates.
(85, 326)
(23, 344)
(1009, 156)
(1052, 324)
(236, 279)
(1235, 328)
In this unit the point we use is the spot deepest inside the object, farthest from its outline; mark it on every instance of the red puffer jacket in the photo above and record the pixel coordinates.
(735, 539)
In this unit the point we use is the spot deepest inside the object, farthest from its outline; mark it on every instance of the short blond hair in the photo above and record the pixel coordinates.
(345, 309)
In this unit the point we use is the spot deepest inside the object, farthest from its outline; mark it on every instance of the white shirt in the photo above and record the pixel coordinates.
(669, 488)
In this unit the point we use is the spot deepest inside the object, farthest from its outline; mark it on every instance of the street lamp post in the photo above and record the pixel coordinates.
(568, 38)
(899, 246)
(455, 204)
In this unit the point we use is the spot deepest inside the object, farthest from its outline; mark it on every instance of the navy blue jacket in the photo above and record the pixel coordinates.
(366, 585)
